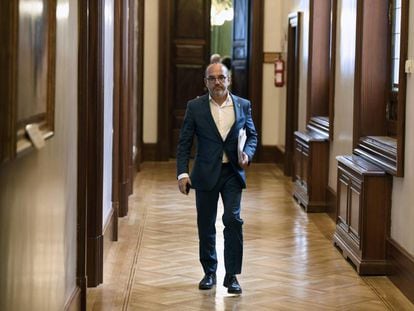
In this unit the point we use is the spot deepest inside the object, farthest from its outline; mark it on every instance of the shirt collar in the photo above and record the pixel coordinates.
(227, 102)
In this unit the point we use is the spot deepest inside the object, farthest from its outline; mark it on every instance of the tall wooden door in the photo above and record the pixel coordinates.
(184, 51)
(190, 49)
(240, 61)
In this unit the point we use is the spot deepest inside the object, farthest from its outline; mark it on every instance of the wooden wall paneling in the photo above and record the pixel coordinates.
(373, 138)
(164, 81)
(94, 169)
(332, 64)
(402, 88)
(140, 83)
(357, 76)
(255, 80)
(51, 68)
(319, 55)
(124, 113)
(132, 70)
(81, 279)
(370, 74)
(292, 89)
(312, 145)
(247, 62)
(8, 72)
(116, 113)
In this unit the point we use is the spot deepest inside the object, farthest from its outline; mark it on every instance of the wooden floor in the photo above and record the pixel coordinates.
(289, 260)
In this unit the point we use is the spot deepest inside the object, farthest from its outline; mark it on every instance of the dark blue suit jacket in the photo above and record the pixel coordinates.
(199, 121)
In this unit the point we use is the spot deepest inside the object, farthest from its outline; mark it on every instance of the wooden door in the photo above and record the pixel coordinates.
(240, 62)
(184, 47)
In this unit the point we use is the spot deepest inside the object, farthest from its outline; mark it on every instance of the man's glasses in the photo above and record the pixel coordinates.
(212, 79)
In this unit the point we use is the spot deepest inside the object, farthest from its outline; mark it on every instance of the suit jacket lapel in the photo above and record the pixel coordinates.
(237, 109)
(237, 113)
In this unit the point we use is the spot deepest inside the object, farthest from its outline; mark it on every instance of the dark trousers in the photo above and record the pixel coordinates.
(230, 189)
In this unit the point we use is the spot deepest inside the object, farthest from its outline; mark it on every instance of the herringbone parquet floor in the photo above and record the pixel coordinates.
(289, 260)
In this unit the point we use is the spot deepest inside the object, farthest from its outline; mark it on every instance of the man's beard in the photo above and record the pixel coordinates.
(219, 91)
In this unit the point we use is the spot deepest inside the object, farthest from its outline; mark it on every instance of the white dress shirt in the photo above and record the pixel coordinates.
(224, 118)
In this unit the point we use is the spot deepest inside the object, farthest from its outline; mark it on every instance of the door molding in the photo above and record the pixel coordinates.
(140, 6)
(255, 82)
(90, 144)
(164, 85)
(255, 78)
(122, 152)
(81, 278)
(292, 88)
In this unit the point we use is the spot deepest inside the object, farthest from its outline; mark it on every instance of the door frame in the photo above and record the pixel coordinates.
(90, 145)
(81, 276)
(292, 89)
(255, 75)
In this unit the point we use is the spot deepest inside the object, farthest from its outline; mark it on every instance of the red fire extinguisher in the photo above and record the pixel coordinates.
(279, 71)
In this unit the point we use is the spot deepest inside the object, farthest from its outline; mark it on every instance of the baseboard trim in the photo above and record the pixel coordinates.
(402, 268)
(74, 301)
(115, 208)
(331, 200)
(149, 152)
(271, 154)
(94, 262)
(108, 232)
(138, 160)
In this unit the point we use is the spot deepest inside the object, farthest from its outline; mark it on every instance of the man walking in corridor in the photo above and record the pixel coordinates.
(217, 120)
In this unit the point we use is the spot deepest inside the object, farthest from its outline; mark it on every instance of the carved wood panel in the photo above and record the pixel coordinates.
(190, 44)
(240, 49)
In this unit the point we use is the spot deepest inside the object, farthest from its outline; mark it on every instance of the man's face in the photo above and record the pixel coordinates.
(217, 80)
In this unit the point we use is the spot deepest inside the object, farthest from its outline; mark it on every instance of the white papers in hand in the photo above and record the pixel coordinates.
(240, 144)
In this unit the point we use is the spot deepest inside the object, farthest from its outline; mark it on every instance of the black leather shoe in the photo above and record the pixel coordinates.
(208, 281)
(233, 286)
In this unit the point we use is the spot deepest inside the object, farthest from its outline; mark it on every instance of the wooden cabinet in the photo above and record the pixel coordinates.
(363, 207)
(311, 163)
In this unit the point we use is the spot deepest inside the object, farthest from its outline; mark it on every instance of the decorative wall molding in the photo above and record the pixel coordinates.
(149, 152)
(271, 154)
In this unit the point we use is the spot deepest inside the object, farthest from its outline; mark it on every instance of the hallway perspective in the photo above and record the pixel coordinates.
(289, 260)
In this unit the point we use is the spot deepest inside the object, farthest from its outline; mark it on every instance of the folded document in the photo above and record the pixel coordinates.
(240, 144)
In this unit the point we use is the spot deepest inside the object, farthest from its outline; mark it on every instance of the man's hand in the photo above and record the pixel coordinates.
(245, 161)
(184, 185)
